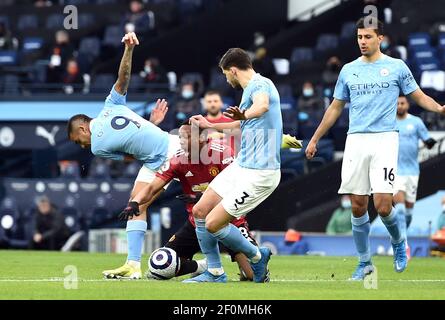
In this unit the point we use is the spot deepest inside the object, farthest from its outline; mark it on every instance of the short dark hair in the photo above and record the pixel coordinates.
(77, 117)
(212, 92)
(235, 57)
(379, 30)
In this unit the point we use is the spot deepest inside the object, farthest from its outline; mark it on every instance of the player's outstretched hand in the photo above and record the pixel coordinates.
(131, 210)
(158, 113)
(130, 40)
(311, 150)
(189, 198)
(200, 121)
(235, 113)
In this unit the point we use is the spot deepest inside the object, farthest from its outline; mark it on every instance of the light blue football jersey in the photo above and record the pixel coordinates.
(372, 90)
(411, 129)
(261, 137)
(117, 131)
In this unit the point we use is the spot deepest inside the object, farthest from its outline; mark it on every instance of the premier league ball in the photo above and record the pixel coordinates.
(163, 264)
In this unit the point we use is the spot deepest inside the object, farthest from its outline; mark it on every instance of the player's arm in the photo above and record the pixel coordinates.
(147, 194)
(203, 123)
(259, 107)
(331, 115)
(426, 102)
(124, 73)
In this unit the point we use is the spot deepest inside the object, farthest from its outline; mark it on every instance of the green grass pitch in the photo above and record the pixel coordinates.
(40, 275)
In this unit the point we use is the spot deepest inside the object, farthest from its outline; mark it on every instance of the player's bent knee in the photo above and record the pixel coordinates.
(212, 226)
(199, 212)
(359, 210)
(384, 209)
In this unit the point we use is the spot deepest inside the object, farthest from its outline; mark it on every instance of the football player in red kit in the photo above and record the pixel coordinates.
(194, 170)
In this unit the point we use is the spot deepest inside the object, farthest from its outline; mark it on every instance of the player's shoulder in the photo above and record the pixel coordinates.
(259, 81)
(415, 119)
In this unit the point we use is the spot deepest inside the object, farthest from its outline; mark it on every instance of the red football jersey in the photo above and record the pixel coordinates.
(195, 178)
(230, 140)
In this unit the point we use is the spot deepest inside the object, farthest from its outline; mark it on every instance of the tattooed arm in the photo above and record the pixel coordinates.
(123, 79)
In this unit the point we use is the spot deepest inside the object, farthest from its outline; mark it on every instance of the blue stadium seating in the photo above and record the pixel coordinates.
(326, 41)
(86, 20)
(419, 39)
(8, 58)
(301, 54)
(32, 43)
(90, 46)
(55, 21)
(28, 21)
(113, 36)
(348, 30)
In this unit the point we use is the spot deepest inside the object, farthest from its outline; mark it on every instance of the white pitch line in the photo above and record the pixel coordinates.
(234, 280)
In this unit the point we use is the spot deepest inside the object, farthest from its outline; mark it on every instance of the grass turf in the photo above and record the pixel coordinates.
(40, 275)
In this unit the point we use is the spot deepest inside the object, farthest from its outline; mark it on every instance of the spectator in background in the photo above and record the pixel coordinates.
(7, 41)
(50, 231)
(153, 73)
(138, 19)
(262, 63)
(331, 72)
(310, 103)
(43, 3)
(340, 222)
(72, 79)
(186, 103)
(388, 49)
(441, 219)
(60, 53)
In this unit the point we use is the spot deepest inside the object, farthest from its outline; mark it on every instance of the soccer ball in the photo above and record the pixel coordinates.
(163, 264)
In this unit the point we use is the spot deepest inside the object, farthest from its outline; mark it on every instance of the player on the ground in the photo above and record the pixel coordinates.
(194, 177)
(118, 133)
(250, 179)
(411, 130)
(371, 84)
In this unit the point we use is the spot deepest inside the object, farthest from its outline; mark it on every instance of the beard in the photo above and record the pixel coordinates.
(401, 113)
(213, 112)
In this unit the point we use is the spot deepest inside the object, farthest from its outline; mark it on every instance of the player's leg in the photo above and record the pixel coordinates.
(411, 196)
(383, 169)
(360, 232)
(186, 245)
(135, 229)
(246, 272)
(207, 242)
(355, 182)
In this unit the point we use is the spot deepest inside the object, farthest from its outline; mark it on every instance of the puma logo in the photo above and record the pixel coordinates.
(50, 136)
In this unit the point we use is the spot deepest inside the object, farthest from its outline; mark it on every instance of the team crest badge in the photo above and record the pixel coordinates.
(384, 72)
(213, 171)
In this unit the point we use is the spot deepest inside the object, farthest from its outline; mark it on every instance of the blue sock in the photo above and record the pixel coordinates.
(135, 238)
(231, 237)
(408, 217)
(392, 226)
(360, 233)
(400, 211)
(208, 244)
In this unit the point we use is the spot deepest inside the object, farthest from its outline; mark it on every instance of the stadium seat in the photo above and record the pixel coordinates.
(71, 170)
(71, 214)
(5, 20)
(131, 170)
(99, 214)
(32, 43)
(99, 170)
(290, 121)
(301, 54)
(8, 58)
(348, 30)
(326, 41)
(55, 21)
(86, 20)
(11, 84)
(113, 36)
(28, 21)
(419, 39)
(90, 46)
(285, 90)
(102, 82)
(9, 216)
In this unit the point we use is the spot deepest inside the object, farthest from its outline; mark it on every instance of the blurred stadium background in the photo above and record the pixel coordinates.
(48, 73)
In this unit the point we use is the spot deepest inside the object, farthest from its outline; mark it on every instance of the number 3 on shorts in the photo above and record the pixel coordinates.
(241, 200)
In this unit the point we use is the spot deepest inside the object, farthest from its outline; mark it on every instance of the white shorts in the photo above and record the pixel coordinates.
(243, 189)
(407, 184)
(147, 175)
(369, 163)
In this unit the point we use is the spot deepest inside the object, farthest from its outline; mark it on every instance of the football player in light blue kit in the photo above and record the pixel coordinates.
(118, 133)
(411, 130)
(371, 84)
(250, 179)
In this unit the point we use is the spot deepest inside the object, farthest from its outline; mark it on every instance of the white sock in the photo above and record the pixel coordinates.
(216, 271)
(257, 256)
(134, 264)
(202, 265)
